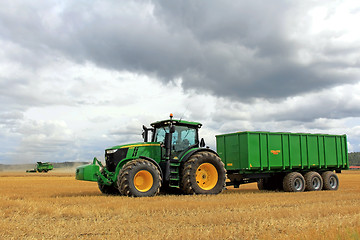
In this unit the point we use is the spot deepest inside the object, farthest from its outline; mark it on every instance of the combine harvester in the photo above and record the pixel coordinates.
(42, 167)
(176, 158)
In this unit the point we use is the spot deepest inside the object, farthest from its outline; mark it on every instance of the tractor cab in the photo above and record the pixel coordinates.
(178, 135)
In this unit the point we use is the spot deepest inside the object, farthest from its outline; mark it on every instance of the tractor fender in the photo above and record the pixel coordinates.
(155, 163)
(196, 150)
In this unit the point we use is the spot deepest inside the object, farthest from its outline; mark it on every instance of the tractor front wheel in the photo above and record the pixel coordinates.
(203, 173)
(110, 190)
(139, 178)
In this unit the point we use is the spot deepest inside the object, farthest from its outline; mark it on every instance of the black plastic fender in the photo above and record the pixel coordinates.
(189, 154)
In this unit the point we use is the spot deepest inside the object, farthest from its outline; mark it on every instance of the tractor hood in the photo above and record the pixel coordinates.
(131, 146)
(123, 153)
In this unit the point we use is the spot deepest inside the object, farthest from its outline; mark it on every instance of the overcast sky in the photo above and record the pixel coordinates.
(77, 77)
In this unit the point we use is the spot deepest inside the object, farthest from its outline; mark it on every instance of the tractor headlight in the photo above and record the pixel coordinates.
(111, 151)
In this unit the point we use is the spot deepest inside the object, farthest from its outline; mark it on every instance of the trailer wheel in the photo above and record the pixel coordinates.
(139, 178)
(331, 181)
(106, 189)
(203, 173)
(294, 182)
(313, 181)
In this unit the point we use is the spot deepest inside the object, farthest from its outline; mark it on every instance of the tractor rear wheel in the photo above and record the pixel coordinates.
(331, 181)
(139, 178)
(203, 173)
(313, 181)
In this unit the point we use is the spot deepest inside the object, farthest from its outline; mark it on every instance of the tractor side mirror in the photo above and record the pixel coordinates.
(145, 133)
(202, 142)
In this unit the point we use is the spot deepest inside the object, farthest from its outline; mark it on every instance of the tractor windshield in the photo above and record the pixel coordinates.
(182, 138)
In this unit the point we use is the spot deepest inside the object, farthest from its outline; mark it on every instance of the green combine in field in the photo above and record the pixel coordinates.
(42, 167)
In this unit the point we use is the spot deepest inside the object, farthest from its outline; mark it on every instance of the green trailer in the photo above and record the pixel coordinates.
(173, 156)
(284, 161)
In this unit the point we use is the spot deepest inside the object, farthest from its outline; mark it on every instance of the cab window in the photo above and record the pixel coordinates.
(183, 137)
(160, 134)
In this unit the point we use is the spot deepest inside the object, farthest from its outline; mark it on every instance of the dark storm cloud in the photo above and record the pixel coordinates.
(236, 49)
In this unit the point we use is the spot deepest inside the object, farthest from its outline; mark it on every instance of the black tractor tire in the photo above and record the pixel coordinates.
(331, 180)
(203, 173)
(294, 182)
(313, 181)
(139, 178)
(108, 189)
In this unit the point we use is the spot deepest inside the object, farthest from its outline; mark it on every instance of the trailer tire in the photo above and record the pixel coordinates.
(331, 180)
(294, 182)
(139, 178)
(313, 181)
(203, 173)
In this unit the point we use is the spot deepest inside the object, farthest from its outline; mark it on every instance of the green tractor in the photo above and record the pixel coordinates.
(174, 158)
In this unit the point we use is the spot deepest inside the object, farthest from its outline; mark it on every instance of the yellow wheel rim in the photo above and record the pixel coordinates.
(143, 181)
(206, 176)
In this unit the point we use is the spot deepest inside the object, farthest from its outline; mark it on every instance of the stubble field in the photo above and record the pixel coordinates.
(56, 206)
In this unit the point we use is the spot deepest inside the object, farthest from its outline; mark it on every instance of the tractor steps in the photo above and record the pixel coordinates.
(174, 180)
